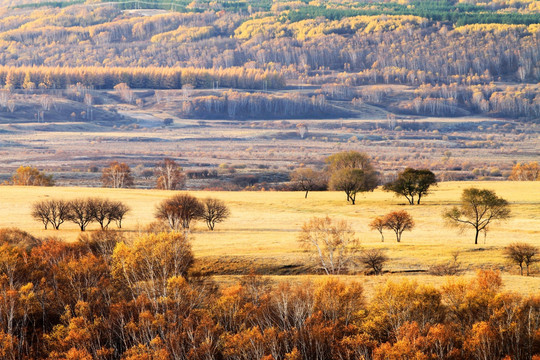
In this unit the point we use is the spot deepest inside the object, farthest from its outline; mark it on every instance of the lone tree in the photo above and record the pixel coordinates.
(117, 175)
(169, 175)
(214, 211)
(55, 212)
(398, 221)
(378, 224)
(351, 172)
(353, 181)
(332, 242)
(522, 254)
(179, 211)
(307, 179)
(374, 260)
(412, 183)
(30, 176)
(478, 209)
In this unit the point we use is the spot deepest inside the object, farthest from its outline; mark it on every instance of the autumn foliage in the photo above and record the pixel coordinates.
(135, 299)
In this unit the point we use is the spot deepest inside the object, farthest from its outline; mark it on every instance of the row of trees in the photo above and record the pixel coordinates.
(102, 297)
(81, 211)
(43, 77)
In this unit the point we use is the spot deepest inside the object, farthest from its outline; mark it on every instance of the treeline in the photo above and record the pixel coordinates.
(107, 297)
(82, 212)
(148, 77)
(455, 12)
(234, 105)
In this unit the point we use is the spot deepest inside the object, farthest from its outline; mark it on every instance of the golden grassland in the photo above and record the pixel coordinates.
(262, 230)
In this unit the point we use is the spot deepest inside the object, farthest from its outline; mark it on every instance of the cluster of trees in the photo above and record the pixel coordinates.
(102, 297)
(180, 210)
(525, 172)
(239, 105)
(30, 176)
(397, 221)
(169, 175)
(81, 211)
(353, 172)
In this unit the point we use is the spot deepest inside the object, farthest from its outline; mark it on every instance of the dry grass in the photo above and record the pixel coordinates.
(261, 233)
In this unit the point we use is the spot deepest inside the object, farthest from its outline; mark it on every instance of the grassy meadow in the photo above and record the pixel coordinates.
(262, 230)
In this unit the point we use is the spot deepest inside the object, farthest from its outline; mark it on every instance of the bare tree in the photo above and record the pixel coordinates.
(398, 221)
(378, 224)
(333, 243)
(169, 175)
(478, 209)
(215, 211)
(353, 181)
(119, 210)
(373, 259)
(302, 130)
(522, 254)
(81, 212)
(179, 211)
(307, 179)
(101, 212)
(117, 175)
(40, 212)
(55, 212)
(124, 91)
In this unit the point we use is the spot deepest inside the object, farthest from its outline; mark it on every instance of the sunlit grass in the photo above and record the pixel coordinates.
(263, 227)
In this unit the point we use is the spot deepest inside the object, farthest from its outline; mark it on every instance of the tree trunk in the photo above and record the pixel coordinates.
(476, 237)
(305, 197)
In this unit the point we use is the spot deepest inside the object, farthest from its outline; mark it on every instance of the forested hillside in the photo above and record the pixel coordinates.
(461, 57)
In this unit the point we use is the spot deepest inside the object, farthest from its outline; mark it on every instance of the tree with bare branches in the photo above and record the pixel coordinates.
(55, 212)
(374, 260)
(333, 243)
(117, 175)
(522, 254)
(307, 179)
(169, 175)
(179, 210)
(215, 211)
(81, 212)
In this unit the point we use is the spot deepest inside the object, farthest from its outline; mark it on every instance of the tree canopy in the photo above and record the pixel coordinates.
(479, 208)
(412, 183)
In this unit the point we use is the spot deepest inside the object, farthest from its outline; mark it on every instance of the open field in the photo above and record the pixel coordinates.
(261, 233)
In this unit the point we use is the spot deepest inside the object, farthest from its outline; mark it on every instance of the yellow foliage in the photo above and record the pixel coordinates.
(185, 34)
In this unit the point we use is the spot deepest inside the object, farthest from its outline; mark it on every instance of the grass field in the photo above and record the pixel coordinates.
(261, 233)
